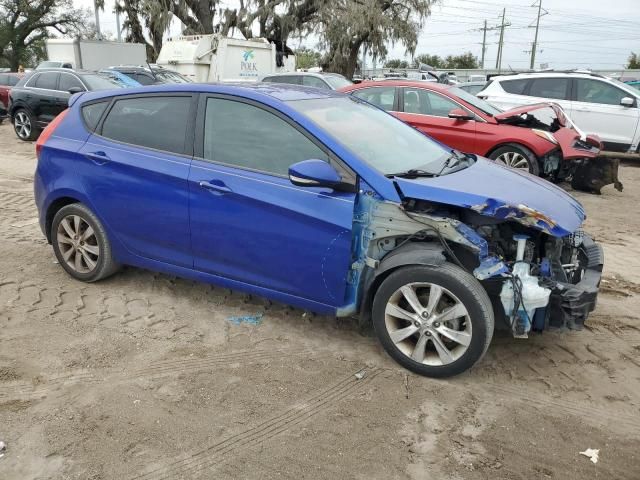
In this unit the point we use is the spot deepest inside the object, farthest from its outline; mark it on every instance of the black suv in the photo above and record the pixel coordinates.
(40, 96)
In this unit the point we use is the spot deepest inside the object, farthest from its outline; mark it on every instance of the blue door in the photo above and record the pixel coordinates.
(249, 223)
(138, 177)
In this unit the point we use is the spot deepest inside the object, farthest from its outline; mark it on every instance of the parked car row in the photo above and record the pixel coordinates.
(33, 100)
(598, 105)
(539, 139)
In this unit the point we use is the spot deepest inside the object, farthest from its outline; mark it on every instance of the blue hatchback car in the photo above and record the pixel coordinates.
(318, 200)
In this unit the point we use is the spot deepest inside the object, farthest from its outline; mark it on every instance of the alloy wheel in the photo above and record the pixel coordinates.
(428, 324)
(514, 160)
(22, 125)
(78, 244)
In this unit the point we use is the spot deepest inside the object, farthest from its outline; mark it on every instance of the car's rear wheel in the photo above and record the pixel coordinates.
(434, 321)
(517, 157)
(24, 126)
(81, 245)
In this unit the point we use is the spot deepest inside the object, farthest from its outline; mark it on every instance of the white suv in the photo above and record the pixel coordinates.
(599, 105)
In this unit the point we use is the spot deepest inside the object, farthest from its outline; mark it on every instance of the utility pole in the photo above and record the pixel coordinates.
(95, 9)
(484, 43)
(541, 13)
(501, 42)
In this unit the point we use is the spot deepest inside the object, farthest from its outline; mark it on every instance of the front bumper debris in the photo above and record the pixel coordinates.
(570, 304)
(591, 175)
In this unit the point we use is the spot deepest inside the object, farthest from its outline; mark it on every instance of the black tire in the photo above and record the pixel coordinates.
(517, 151)
(468, 291)
(104, 263)
(33, 133)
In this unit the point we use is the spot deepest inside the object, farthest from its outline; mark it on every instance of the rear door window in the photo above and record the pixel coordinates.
(309, 81)
(141, 78)
(47, 80)
(550, 88)
(383, 97)
(595, 91)
(156, 122)
(69, 81)
(292, 79)
(516, 87)
(417, 100)
(246, 136)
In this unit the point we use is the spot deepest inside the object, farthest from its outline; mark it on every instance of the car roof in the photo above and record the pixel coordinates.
(440, 87)
(548, 73)
(304, 74)
(278, 91)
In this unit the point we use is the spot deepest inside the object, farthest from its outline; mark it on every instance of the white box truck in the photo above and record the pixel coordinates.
(94, 54)
(214, 58)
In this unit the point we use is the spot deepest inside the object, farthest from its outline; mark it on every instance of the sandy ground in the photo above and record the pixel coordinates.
(143, 376)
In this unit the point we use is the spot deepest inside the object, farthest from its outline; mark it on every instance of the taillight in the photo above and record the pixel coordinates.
(48, 131)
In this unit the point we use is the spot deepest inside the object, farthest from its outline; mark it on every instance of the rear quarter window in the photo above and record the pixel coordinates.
(155, 122)
(91, 114)
(516, 87)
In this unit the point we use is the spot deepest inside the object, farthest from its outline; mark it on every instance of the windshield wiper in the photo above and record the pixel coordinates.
(412, 173)
(454, 160)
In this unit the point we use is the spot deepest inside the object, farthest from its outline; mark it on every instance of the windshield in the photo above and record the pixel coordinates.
(170, 77)
(625, 86)
(100, 82)
(337, 81)
(386, 143)
(475, 101)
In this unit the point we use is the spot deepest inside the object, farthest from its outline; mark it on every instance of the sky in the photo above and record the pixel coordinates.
(573, 33)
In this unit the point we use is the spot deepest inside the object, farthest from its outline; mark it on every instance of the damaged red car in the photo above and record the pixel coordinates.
(540, 139)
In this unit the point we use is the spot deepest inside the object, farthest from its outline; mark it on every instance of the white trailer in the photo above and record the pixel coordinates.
(95, 54)
(213, 58)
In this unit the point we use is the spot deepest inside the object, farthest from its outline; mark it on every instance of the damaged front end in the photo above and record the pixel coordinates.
(577, 157)
(539, 272)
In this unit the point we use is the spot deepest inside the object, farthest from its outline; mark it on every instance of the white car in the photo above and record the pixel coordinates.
(598, 105)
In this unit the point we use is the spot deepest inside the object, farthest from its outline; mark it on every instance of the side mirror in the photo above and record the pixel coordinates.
(73, 90)
(314, 173)
(460, 114)
(627, 102)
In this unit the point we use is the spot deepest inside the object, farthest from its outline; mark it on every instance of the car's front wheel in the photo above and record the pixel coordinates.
(434, 321)
(24, 127)
(81, 245)
(518, 157)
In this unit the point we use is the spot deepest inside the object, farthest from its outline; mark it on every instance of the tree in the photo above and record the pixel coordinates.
(432, 60)
(307, 58)
(396, 63)
(24, 26)
(466, 60)
(197, 16)
(346, 26)
(156, 21)
(634, 61)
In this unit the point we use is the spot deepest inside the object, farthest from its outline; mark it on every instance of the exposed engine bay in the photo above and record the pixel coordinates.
(535, 278)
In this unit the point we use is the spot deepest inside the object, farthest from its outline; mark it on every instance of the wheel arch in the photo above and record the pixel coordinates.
(417, 253)
(53, 208)
(519, 144)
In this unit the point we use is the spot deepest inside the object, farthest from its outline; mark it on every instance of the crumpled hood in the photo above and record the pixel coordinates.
(516, 112)
(496, 191)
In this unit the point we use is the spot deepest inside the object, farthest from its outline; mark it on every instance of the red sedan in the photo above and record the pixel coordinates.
(458, 119)
(7, 80)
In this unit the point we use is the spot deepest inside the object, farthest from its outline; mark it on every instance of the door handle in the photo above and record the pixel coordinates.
(99, 157)
(213, 187)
